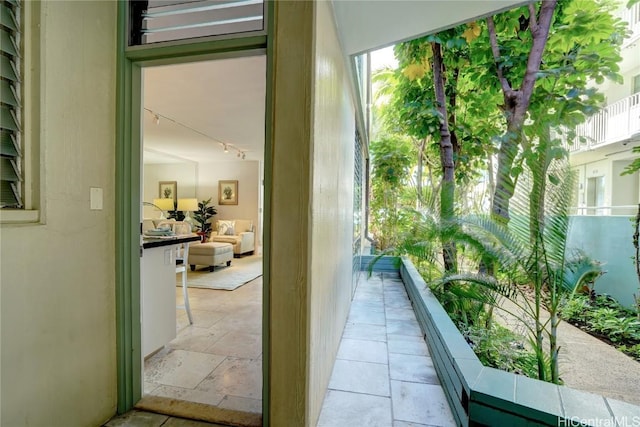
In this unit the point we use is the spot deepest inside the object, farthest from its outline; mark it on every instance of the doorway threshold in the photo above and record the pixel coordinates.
(198, 411)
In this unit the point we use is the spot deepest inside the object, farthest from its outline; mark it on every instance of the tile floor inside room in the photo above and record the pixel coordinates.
(383, 375)
(218, 360)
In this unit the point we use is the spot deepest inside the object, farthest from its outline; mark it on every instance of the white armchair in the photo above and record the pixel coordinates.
(238, 232)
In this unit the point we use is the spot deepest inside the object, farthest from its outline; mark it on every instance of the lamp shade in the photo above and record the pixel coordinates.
(164, 204)
(187, 205)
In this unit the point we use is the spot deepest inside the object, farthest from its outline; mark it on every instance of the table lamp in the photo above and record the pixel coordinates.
(163, 205)
(186, 206)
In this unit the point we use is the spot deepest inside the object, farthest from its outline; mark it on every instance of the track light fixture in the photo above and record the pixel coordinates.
(156, 118)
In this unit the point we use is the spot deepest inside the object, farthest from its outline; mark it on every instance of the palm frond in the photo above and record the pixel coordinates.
(486, 282)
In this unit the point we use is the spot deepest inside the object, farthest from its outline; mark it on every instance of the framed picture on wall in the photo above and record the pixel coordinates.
(168, 190)
(228, 192)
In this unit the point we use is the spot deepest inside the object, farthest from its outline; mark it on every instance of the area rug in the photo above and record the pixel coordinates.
(241, 271)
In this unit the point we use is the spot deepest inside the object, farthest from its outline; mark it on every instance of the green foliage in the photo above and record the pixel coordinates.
(635, 165)
(473, 115)
(464, 302)
(203, 216)
(631, 350)
(576, 309)
(583, 45)
(391, 196)
(529, 256)
(391, 161)
(500, 348)
(529, 253)
(605, 317)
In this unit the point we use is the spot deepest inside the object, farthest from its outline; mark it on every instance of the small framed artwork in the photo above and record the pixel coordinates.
(228, 192)
(168, 190)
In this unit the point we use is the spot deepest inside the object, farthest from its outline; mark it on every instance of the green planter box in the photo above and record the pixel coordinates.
(480, 395)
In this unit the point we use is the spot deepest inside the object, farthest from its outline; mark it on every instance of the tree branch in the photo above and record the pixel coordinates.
(537, 49)
(495, 49)
(533, 22)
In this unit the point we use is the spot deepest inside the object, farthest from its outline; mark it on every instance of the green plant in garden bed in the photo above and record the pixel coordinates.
(604, 318)
(631, 350)
(532, 266)
(500, 348)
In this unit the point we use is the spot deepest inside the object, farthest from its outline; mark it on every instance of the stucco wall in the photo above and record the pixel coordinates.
(287, 197)
(311, 209)
(57, 279)
(331, 206)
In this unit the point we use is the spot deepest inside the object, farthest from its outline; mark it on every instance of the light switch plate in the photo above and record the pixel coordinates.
(96, 198)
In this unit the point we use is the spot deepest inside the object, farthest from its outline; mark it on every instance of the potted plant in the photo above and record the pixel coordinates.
(202, 217)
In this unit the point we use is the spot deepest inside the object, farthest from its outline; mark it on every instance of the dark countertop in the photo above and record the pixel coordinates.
(151, 242)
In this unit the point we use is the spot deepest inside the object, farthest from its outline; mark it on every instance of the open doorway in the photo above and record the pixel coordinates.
(203, 128)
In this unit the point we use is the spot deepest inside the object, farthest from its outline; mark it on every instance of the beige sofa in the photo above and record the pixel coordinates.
(238, 232)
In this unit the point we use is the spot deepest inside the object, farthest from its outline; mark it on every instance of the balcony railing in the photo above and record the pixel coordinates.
(616, 122)
(623, 210)
(632, 16)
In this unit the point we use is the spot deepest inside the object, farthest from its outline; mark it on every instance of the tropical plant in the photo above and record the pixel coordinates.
(203, 216)
(532, 264)
(604, 317)
(631, 350)
(501, 348)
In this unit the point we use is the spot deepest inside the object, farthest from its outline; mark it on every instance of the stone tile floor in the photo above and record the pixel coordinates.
(216, 361)
(383, 375)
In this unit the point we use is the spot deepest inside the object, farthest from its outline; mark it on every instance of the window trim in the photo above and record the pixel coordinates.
(31, 65)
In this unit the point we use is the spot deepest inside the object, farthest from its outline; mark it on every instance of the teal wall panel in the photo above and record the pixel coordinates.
(608, 239)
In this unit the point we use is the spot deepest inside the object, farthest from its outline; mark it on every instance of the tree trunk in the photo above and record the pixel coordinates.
(419, 171)
(447, 190)
(516, 103)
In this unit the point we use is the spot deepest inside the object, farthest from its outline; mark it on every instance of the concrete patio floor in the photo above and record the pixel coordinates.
(383, 374)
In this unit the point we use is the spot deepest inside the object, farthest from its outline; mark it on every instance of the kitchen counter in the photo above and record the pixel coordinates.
(158, 288)
(155, 242)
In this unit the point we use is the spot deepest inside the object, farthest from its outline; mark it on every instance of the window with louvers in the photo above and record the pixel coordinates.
(156, 21)
(10, 105)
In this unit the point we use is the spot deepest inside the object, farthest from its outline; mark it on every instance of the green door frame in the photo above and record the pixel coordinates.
(130, 62)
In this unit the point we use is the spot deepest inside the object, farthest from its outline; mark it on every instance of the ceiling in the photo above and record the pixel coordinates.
(192, 110)
(373, 24)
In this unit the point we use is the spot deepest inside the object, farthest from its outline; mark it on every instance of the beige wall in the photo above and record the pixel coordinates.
(58, 358)
(312, 209)
(185, 174)
(246, 172)
(200, 180)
